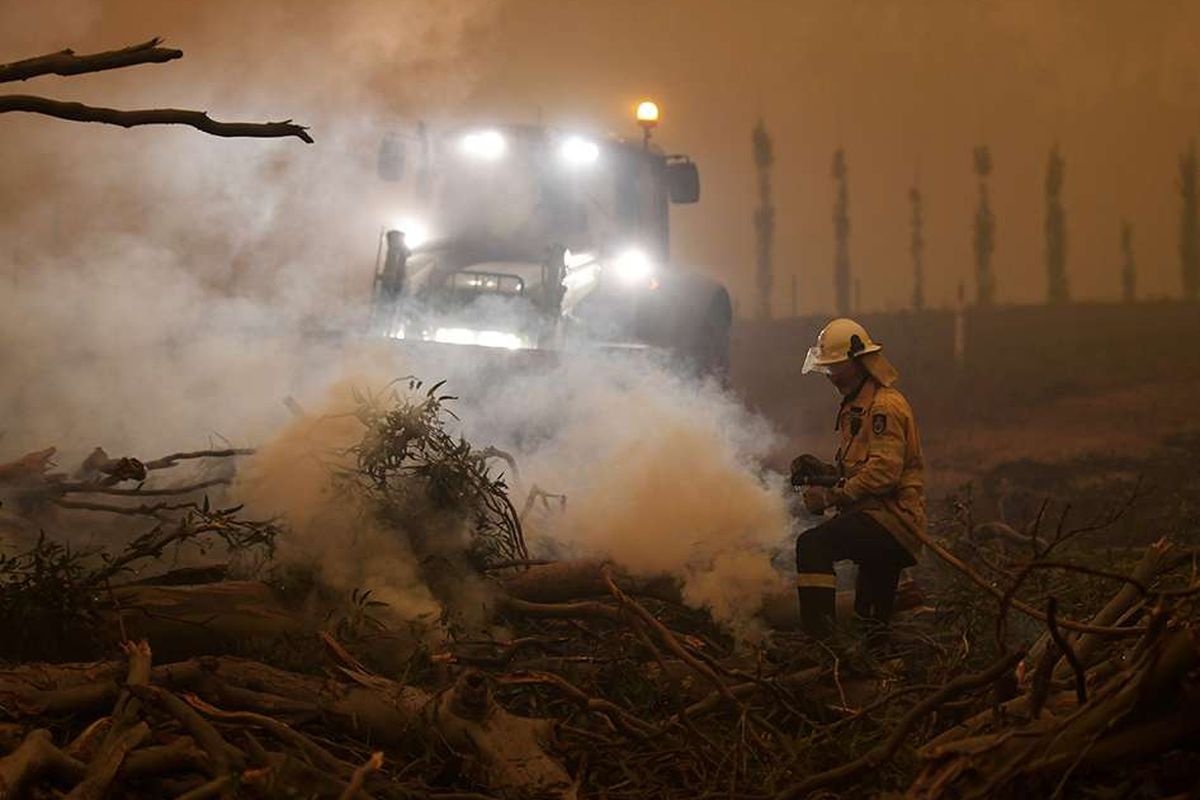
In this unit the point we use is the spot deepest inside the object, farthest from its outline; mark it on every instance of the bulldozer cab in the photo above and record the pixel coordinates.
(517, 236)
(526, 188)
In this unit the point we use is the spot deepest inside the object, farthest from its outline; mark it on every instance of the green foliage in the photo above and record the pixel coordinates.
(47, 602)
(985, 231)
(412, 469)
(360, 617)
(1057, 288)
(841, 235)
(51, 595)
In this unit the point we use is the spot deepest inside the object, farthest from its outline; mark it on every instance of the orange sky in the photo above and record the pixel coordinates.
(908, 87)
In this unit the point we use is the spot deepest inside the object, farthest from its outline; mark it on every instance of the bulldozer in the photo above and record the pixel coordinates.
(532, 239)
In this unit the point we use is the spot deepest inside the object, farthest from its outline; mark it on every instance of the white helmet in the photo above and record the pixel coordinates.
(840, 340)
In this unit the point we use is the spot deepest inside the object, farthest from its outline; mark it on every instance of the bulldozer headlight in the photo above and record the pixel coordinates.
(501, 339)
(485, 145)
(633, 267)
(576, 151)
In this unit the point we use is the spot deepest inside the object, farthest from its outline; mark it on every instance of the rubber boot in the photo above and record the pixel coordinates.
(875, 598)
(818, 609)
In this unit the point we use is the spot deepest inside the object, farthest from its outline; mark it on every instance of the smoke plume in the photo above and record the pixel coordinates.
(164, 290)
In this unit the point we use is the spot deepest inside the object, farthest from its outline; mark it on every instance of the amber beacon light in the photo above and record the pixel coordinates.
(647, 117)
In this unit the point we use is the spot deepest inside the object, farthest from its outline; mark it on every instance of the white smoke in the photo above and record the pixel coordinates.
(164, 290)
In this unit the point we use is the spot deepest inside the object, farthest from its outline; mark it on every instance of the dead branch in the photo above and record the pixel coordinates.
(78, 112)
(558, 581)
(495, 452)
(792, 681)
(282, 731)
(103, 768)
(582, 608)
(1146, 708)
(1020, 605)
(174, 458)
(215, 787)
(165, 492)
(360, 775)
(627, 721)
(668, 638)
(536, 493)
(885, 751)
(182, 755)
(205, 735)
(35, 758)
(155, 510)
(29, 469)
(66, 62)
(1065, 648)
(1157, 558)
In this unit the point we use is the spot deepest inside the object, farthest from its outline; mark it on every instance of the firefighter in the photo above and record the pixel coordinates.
(876, 484)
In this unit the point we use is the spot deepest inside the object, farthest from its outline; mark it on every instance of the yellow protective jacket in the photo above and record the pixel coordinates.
(881, 463)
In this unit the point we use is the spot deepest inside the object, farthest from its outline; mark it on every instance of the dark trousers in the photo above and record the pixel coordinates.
(847, 537)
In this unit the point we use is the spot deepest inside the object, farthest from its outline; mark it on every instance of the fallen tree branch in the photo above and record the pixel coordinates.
(29, 469)
(581, 608)
(143, 510)
(213, 788)
(360, 775)
(793, 681)
(174, 458)
(668, 638)
(217, 749)
(82, 488)
(627, 721)
(66, 62)
(37, 756)
(1020, 605)
(1065, 648)
(1158, 557)
(108, 760)
(282, 731)
(877, 755)
(78, 112)
(1143, 709)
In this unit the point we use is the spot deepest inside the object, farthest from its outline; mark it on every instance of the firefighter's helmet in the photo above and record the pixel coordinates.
(840, 340)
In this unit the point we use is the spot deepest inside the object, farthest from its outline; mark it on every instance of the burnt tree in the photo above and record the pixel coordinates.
(1128, 265)
(985, 231)
(841, 235)
(1057, 287)
(1189, 226)
(916, 246)
(764, 219)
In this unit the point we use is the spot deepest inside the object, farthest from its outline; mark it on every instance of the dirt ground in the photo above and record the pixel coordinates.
(1091, 450)
(1127, 422)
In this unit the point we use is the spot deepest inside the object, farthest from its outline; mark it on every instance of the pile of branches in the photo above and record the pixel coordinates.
(1036, 665)
(408, 464)
(624, 696)
(54, 592)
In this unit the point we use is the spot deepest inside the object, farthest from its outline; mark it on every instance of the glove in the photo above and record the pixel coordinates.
(838, 497)
(816, 499)
(805, 467)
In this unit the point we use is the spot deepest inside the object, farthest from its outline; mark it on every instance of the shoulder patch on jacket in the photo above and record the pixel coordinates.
(878, 423)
